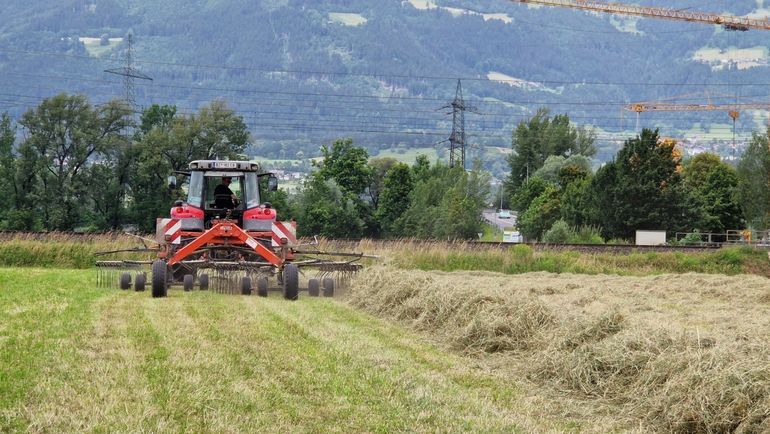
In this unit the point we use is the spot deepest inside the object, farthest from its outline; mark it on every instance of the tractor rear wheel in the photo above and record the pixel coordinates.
(188, 282)
(313, 287)
(203, 280)
(159, 283)
(328, 287)
(262, 287)
(125, 281)
(140, 281)
(245, 285)
(290, 282)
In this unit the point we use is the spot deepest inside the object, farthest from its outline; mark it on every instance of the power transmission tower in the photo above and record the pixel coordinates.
(129, 74)
(457, 140)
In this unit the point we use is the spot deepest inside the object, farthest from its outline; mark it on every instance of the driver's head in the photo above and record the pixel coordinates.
(226, 180)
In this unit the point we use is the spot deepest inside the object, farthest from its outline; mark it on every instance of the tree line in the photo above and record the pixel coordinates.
(86, 167)
(91, 167)
(647, 185)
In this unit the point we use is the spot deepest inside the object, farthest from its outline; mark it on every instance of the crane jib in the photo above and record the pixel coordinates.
(730, 22)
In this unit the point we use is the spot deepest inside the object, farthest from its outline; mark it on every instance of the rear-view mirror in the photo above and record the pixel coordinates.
(172, 181)
(272, 183)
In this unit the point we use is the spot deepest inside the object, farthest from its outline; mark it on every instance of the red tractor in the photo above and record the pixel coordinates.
(225, 237)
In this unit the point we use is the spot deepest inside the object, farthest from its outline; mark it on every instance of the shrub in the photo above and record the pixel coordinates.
(560, 233)
(587, 235)
(691, 239)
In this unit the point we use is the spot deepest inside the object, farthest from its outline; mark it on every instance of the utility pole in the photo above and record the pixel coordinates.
(129, 74)
(457, 140)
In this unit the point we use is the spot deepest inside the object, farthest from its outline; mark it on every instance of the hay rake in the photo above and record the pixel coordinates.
(227, 245)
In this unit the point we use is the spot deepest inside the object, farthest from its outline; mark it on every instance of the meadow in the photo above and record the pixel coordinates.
(428, 337)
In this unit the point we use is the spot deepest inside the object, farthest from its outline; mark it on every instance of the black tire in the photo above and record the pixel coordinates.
(125, 281)
(188, 282)
(313, 287)
(203, 280)
(139, 282)
(328, 287)
(290, 282)
(159, 283)
(245, 285)
(262, 287)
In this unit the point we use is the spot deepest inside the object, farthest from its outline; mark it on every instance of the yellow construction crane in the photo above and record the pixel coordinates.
(729, 22)
(733, 110)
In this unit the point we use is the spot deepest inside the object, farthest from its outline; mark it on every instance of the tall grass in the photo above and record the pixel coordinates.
(62, 250)
(523, 259)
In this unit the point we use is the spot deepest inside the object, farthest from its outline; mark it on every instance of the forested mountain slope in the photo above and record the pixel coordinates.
(302, 73)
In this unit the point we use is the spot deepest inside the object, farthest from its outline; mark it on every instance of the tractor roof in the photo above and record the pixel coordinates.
(206, 165)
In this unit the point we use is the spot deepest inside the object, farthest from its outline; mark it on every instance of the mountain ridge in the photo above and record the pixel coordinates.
(301, 74)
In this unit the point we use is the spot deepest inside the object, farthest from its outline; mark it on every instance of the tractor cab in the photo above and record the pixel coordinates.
(225, 189)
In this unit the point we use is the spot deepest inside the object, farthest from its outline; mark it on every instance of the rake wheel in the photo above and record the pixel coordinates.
(159, 283)
(290, 282)
(328, 284)
(125, 281)
(139, 282)
(313, 287)
(245, 285)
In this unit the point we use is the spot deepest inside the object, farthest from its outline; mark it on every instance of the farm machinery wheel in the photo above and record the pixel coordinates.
(313, 287)
(188, 282)
(328, 284)
(125, 281)
(290, 282)
(139, 282)
(159, 282)
(203, 281)
(245, 285)
(262, 287)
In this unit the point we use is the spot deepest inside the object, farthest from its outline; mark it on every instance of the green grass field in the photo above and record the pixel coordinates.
(74, 358)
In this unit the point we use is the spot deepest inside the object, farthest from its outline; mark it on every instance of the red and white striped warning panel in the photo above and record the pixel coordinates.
(284, 230)
(169, 231)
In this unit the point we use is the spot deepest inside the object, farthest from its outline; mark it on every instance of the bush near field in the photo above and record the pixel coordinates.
(62, 250)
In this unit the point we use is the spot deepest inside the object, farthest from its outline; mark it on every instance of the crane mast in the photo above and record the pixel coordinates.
(729, 22)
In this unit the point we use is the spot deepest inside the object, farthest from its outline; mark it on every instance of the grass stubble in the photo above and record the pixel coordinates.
(80, 359)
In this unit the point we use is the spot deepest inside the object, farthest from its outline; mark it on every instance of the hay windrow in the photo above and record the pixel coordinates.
(670, 353)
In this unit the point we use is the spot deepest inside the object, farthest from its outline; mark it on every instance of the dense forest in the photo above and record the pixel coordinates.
(303, 73)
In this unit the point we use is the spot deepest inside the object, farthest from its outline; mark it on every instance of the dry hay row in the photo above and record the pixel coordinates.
(674, 353)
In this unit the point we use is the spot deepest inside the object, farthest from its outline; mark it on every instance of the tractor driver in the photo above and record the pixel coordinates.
(223, 196)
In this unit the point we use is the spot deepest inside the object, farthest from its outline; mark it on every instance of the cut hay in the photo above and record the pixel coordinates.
(672, 353)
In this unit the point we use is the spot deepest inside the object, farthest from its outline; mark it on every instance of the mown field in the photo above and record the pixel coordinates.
(74, 358)
(405, 347)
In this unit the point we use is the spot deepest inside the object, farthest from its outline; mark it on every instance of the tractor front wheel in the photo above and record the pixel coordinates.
(290, 282)
(159, 283)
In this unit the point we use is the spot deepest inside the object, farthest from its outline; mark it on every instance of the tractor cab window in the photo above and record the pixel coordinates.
(195, 190)
(224, 192)
(252, 191)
